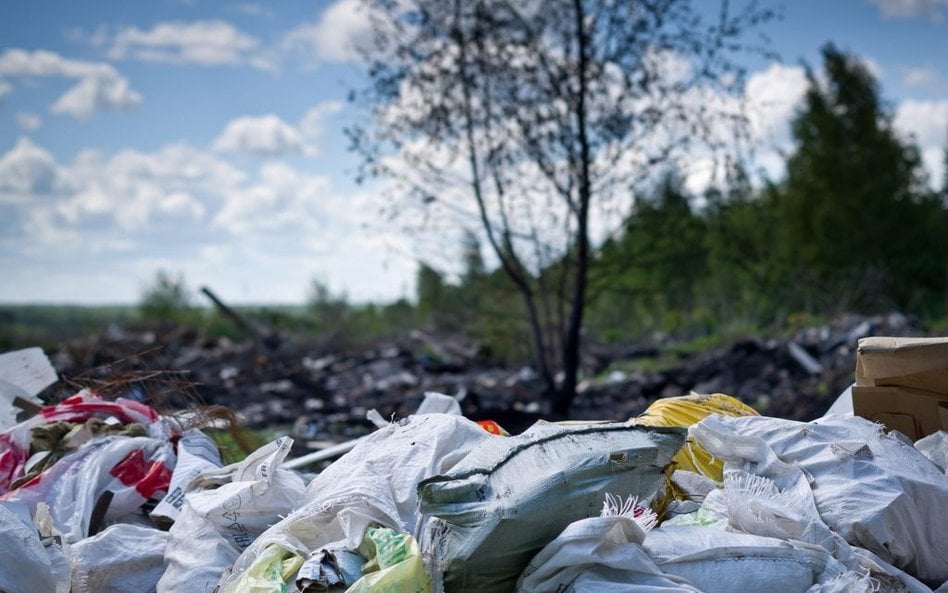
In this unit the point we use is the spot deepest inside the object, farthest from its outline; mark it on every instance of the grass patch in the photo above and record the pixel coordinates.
(236, 448)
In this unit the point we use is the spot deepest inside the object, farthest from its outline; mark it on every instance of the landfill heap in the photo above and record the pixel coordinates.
(325, 392)
(699, 494)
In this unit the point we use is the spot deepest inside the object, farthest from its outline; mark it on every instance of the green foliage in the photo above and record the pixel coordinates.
(329, 311)
(649, 277)
(49, 326)
(167, 298)
(853, 227)
(859, 228)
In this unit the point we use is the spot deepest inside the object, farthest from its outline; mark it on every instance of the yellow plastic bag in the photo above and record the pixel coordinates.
(687, 410)
(394, 564)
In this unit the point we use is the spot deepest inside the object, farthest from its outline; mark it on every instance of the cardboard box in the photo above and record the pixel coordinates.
(903, 384)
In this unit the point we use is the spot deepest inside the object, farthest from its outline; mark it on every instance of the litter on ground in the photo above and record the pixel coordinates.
(698, 494)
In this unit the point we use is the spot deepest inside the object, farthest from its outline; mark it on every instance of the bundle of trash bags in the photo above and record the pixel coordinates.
(699, 494)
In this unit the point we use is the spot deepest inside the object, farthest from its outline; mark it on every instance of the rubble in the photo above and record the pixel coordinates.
(323, 394)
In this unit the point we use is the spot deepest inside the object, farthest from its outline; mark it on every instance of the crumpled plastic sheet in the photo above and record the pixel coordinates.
(841, 483)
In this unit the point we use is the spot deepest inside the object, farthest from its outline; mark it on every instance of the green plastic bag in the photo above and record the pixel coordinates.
(269, 573)
(394, 564)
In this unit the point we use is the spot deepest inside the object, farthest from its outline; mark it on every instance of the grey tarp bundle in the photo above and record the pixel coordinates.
(499, 506)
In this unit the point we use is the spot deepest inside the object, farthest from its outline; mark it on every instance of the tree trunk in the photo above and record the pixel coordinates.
(571, 348)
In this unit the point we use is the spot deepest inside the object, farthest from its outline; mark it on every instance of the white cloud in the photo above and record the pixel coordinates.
(28, 170)
(283, 199)
(927, 123)
(872, 66)
(313, 123)
(257, 235)
(920, 77)
(29, 121)
(5, 89)
(269, 135)
(773, 95)
(93, 94)
(21, 62)
(926, 120)
(254, 9)
(930, 9)
(204, 43)
(341, 30)
(265, 135)
(134, 190)
(99, 85)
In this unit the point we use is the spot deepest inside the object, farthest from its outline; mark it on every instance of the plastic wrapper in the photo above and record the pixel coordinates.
(598, 555)
(271, 572)
(196, 453)
(687, 410)
(394, 564)
(126, 471)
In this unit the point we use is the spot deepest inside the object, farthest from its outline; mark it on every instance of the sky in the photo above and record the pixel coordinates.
(206, 139)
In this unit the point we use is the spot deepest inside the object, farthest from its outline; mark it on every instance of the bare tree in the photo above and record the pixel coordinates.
(538, 117)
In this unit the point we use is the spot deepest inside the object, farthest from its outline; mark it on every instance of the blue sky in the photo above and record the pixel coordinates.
(205, 138)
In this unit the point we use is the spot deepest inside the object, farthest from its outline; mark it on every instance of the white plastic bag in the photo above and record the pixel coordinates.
(196, 453)
(26, 565)
(935, 448)
(23, 374)
(15, 442)
(122, 559)
(374, 484)
(598, 555)
(718, 561)
(876, 491)
(224, 513)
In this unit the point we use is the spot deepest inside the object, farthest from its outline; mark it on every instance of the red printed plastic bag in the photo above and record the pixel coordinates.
(15, 442)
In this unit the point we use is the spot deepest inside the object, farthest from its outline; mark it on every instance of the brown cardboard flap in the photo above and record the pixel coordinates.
(917, 363)
(904, 423)
(913, 413)
(943, 415)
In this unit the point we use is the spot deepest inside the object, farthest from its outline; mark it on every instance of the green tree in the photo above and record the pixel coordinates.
(331, 311)
(166, 298)
(534, 117)
(745, 280)
(859, 228)
(472, 260)
(433, 295)
(654, 270)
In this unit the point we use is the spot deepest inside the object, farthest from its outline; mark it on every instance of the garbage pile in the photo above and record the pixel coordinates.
(699, 493)
(326, 393)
